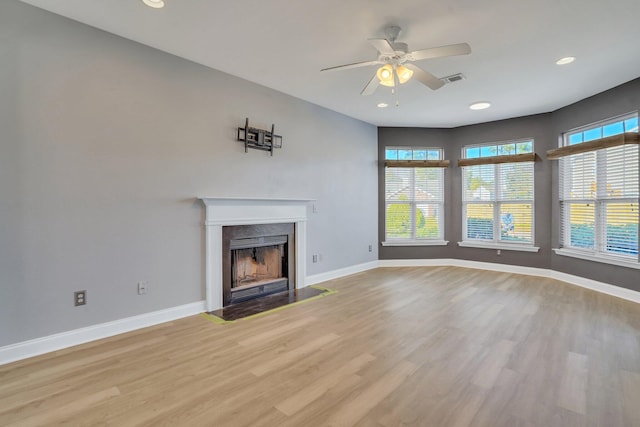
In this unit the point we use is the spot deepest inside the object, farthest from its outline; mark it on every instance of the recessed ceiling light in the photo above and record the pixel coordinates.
(480, 105)
(383, 105)
(156, 4)
(566, 60)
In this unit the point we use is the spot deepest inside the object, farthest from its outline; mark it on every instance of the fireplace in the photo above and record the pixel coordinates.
(258, 260)
(227, 211)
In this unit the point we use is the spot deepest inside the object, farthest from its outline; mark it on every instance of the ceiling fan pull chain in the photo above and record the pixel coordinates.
(396, 83)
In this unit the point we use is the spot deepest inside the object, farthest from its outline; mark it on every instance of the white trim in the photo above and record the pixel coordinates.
(341, 272)
(423, 242)
(221, 211)
(452, 262)
(605, 288)
(35, 347)
(501, 246)
(596, 257)
(38, 346)
(258, 220)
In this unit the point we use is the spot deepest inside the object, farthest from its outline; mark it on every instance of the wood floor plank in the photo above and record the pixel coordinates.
(316, 389)
(352, 411)
(272, 334)
(403, 346)
(631, 403)
(61, 413)
(496, 359)
(293, 355)
(572, 394)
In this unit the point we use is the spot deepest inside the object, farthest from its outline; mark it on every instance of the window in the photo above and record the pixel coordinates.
(414, 196)
(497, 195)
(599, 193)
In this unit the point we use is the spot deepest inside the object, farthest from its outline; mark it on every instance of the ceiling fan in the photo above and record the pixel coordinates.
(396, 59)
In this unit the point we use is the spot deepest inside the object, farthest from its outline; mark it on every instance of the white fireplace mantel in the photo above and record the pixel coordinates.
(221, 211)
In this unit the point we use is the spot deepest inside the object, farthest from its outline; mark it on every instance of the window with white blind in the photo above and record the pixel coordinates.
(414, 196)
(498, 195)
(599, 192)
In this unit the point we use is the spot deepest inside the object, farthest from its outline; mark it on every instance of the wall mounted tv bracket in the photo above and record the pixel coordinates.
(259, 139)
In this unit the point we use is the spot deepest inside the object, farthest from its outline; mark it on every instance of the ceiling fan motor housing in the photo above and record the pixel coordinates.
(400, 48)
(399, 56)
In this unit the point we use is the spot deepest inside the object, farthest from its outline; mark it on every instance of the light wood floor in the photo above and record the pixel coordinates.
(396, 346)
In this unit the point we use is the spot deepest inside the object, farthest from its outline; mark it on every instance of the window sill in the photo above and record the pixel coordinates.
(415, 243)
(501, 246)
(596, 258)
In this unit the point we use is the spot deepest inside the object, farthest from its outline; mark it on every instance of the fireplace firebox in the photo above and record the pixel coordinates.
(258, 260)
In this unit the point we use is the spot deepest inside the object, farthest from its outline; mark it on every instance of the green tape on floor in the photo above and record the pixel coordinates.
(215, 319)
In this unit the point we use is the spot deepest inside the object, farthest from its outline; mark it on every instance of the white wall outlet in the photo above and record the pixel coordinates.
(315, 208)
(370, 248)
(142, 288)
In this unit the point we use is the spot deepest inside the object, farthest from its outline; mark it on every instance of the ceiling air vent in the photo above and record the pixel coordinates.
(453, 78)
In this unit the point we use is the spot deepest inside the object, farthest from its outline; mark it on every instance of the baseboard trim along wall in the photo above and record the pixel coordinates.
(583, 282)
(335, 274)
(38, 346)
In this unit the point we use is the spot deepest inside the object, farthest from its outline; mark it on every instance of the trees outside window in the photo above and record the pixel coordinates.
(414, 200)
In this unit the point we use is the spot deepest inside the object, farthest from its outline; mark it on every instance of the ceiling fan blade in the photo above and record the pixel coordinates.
(439, 52)
(371, 86)
(424, 77)
(382, 46)
(353, 65)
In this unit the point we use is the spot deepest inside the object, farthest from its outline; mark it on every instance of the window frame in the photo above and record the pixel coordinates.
(599, 252)
(495, 162)
(413, 203)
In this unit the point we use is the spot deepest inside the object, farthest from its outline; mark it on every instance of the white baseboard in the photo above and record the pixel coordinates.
(38, 346)
(605, 288)
(451, 262)
(335, 274)
(583, 282)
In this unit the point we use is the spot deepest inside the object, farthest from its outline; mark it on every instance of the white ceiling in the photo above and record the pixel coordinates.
(283, 44)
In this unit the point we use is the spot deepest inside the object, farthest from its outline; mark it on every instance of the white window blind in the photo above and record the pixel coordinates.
(414, 201)
(498, 199)
(599, 194)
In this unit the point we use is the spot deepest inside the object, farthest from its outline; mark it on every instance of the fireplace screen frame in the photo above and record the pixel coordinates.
(242, 236)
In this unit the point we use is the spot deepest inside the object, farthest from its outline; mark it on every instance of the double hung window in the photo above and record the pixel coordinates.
(599, 190)
(498, 194)
(414, 195)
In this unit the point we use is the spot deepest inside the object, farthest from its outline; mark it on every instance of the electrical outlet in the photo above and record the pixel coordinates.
(79, 298)
(370, 248)
(142, 288)
(315, 208)
(498, 252)
(314, 258)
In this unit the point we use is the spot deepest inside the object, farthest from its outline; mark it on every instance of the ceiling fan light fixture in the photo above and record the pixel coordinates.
(404, 74)
(385, 75)
(156, 4)
(566, 60)
(480, 105)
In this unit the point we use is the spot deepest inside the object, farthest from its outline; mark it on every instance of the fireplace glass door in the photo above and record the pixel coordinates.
(258, 267)
(257, 260)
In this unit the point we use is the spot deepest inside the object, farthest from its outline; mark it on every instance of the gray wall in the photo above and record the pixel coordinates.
(105, 146)
(545, 129)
